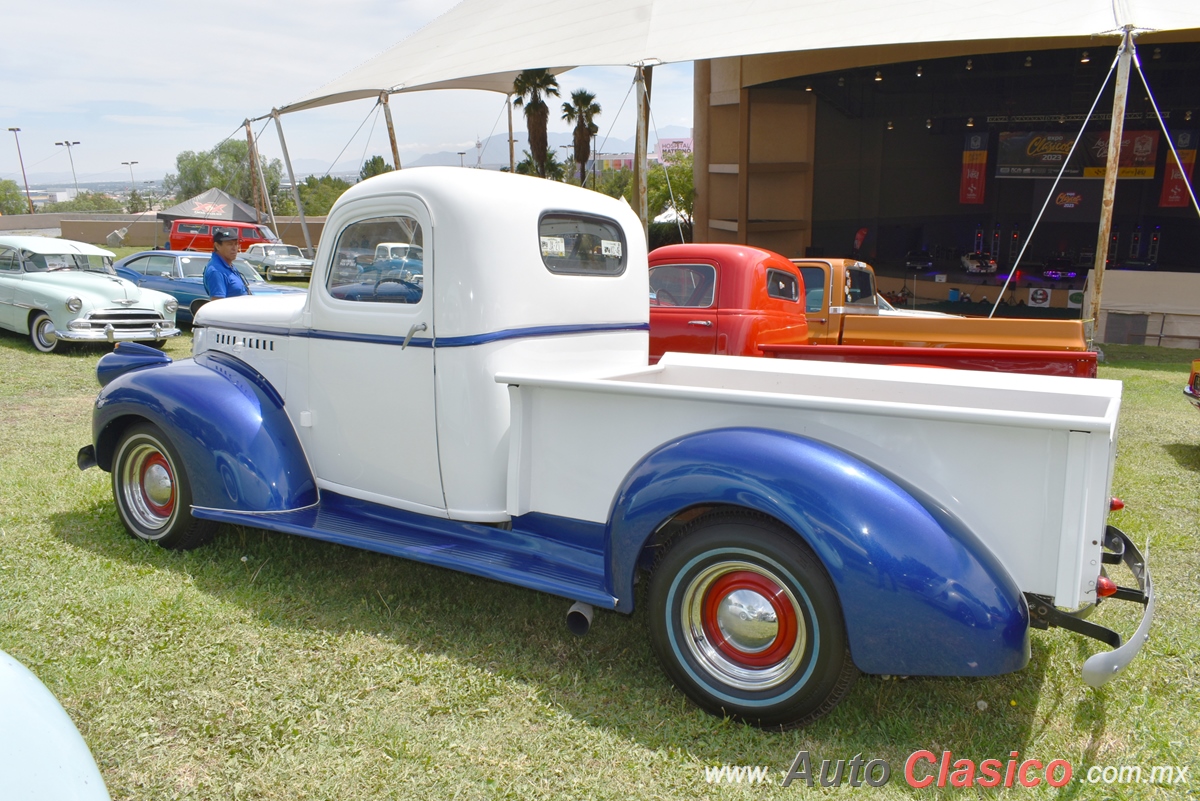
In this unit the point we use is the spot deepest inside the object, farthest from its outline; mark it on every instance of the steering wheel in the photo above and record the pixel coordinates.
(661, 294)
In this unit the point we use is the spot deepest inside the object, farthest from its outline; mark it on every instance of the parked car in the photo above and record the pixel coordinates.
(42, 754)
(1192, 390)
(918, 260)
(273, 260)
(56, 290)
(198, 234)
(1058, 268)
(398, 260)
(180, 273)
(978, 263)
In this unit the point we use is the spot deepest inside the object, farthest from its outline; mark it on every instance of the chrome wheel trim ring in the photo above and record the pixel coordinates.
(139, 459)
(44, 334)
(715, 659)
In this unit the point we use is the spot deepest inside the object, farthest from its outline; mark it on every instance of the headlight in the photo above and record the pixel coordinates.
(171, 305)
(74, 304)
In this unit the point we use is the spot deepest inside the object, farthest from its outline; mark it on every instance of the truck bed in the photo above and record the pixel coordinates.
(1022, 460)
(962, 332)
(1035, 362)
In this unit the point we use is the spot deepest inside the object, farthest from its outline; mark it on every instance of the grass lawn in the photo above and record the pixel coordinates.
(273, 667)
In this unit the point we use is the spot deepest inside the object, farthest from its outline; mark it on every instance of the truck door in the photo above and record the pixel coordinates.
(683, 314)
(371, 367)
(817, 297)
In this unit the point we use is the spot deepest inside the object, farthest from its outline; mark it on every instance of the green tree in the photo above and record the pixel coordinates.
(659, 197)
(12, 199)
(87, 201)
(136, 203)
(372, 167)
(318, 194)
(227, 167)
(529, 87)
(552, 168)
(617, 183)
(581, 112)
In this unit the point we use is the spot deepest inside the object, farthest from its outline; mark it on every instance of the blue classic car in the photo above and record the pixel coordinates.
(56, 290)
(180, 273)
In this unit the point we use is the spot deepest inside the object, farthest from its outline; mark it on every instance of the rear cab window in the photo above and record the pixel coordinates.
(580, 244)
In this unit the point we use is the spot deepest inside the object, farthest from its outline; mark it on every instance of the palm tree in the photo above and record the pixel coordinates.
(529, 87)
(581, 111)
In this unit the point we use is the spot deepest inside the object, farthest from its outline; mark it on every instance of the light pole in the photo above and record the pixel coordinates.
(132, 183)
(22, 160)
(68, 144)
(461, 161)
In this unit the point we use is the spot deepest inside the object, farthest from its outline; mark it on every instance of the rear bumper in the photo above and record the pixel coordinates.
(1099, 668)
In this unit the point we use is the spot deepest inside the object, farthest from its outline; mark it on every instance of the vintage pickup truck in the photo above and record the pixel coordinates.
(747, 301)
(792, 523)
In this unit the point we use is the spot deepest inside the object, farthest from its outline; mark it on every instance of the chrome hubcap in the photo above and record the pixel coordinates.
(147, 486)
(743, 626)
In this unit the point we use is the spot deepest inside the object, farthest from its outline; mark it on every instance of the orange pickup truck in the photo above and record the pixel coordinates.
(747, 301)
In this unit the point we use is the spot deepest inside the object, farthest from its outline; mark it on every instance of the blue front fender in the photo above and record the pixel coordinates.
(228, 424)
(920, 594)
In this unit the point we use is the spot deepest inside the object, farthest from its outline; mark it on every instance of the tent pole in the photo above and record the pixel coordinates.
(387, 115)
(642, 78)
(254, 184)
(1111, 167)
(512, 163)
(262, 180)
(292, 177)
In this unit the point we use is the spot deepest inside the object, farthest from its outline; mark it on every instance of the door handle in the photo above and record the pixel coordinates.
(417, 327)
(705, 323)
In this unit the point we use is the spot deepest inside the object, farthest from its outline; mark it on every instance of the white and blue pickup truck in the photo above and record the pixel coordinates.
(492, 411)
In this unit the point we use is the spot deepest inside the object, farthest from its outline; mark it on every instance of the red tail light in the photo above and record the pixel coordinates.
(1116, 505)
(1105, 587)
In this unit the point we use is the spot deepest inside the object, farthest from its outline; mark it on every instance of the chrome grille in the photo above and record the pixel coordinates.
(124, 319)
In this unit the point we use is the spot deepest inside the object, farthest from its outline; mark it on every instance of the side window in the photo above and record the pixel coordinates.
(139, 265)
(192, 228)
(782, 285)
(577, 244)
(226, 229)
(860, 287)
(379, 261)
(814, 288)
(159, 265)
(688, 285)
(9, 262)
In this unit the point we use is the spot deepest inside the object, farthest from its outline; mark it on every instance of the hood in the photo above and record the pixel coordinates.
(282, 309)
(101, 286)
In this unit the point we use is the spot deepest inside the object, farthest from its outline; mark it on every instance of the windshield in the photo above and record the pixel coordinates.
(246, 271)
(284, 250)
(267, 234)
(49, 262)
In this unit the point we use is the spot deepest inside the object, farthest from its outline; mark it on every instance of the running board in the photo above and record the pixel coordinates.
(524, 557)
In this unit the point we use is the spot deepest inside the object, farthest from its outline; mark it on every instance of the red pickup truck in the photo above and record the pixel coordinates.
(747, 301)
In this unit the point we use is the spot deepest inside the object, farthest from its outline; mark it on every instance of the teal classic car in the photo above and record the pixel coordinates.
(56, 290)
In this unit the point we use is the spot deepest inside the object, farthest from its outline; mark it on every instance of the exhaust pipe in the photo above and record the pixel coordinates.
(579, 618)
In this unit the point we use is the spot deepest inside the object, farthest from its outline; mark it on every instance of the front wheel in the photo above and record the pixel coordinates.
(746, 622)
(42, 333)
(150, 486)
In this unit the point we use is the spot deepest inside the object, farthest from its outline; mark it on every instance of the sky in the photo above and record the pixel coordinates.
(143, 80)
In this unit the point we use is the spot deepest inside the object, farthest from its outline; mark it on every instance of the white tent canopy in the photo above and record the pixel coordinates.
(483, 44)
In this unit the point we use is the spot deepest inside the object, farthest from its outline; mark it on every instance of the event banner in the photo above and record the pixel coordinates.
(974, 169)
(1174, 190)
(1040, 154)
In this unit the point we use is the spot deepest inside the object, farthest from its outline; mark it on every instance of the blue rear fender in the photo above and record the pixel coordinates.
(227, 422)
(920, 593)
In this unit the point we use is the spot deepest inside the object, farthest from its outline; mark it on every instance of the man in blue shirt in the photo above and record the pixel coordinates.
(221, 280)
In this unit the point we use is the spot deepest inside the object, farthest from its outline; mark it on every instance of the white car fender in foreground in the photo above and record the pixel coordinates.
(42, 755)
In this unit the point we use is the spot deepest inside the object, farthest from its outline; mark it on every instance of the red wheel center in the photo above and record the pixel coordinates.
(157, 481)
(785, 618)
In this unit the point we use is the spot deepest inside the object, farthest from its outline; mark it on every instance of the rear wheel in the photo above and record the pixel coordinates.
(154, 498)
(747, 623)
(41, 332)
